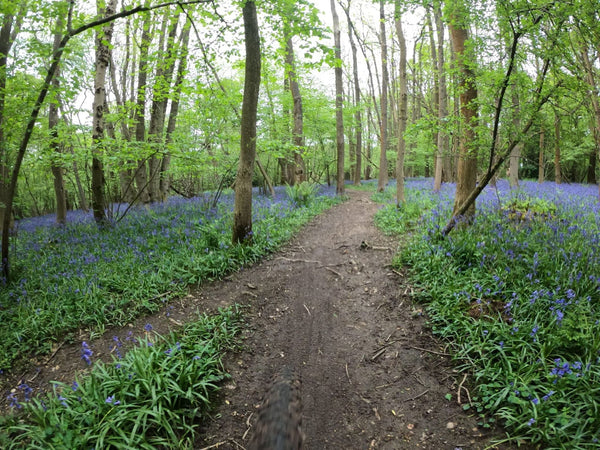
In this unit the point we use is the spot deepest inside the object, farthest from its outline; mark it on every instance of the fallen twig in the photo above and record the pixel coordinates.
(307, 261)
(417, 396)
(307, 310)
(430, 351)
(54, 352)
(378, 354)
(460, 387)
(347, 374)
(339, 275)
(218, 444)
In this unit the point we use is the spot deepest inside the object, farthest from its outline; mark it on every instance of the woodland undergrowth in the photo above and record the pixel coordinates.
(158, 389)
(517, 297)
(77, 276)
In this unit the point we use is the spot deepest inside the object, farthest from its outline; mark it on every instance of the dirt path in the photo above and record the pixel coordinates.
(330, 306)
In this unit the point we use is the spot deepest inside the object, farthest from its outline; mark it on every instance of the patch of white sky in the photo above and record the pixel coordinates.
(364, 15)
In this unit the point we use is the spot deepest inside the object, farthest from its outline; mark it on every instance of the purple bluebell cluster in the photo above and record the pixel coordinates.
(86, 353)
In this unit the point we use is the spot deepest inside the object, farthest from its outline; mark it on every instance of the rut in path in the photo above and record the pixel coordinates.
(330, 306)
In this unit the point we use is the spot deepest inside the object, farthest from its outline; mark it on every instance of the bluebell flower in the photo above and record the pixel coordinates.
(111, 400)
(531, 421)
(148, 327)
(86, 353)
(63, 401)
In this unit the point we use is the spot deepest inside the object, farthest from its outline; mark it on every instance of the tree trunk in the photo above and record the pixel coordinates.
(103, 39)
(339, 101)
(383, 164)
(467, 161)
(515, 155)
(557, 171)
(5, 46)
(595, 101)
(402, 116)
(141, 173)
(541, 162)
(160, 96)
(242, 209)
(591, 172)
(181, 70)
(443, 141)
(438, 163)
(299, 172)
(56, 164)
(357, 174)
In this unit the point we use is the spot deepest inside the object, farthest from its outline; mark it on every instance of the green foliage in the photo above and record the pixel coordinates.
(302, 194)
(518, 300)
(156, 396)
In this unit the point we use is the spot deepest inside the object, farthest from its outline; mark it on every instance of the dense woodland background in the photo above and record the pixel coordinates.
(173, 76)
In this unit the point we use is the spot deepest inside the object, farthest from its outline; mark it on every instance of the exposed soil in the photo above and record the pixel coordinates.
(330, 306)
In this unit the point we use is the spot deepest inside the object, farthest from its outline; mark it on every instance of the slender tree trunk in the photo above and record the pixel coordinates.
(467, 162)
(438, 163)
(541, 161)
(593, 159)
(181, 71)
(103, 39)
(557, 171)
(443, 142)
(383, 163)
(357, 174)
(402, 116)
(5, 46)
(299, 170)
(160, 96)
(242, 209)
(56, 164)
(141, 173)
(339, 101)
(595, 101)
(515, 155)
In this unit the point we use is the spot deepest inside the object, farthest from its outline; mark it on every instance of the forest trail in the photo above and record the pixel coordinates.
(330, 306)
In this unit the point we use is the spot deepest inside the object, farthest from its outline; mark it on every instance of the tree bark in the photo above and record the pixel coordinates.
(299, 170)
(443, 139)
(6, 42)
(541, 162)
(467, 162)
(339, 101)
(515, 155)
(141, 173)
(53, 120)
(357, 174)
(173, 113)
(103, 39)
(438, 165)
(242, 209)
(557, 171)
(383, 163)
(160, 95)
(402, 116)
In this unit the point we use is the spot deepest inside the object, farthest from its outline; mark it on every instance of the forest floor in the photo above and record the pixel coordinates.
(330, 306)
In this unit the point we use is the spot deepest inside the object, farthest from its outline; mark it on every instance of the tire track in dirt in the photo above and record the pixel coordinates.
(330, 306)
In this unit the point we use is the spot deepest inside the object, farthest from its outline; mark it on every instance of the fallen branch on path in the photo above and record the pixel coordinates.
(339, 275)
(417, 396)
(429, 351)
(460, 387)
